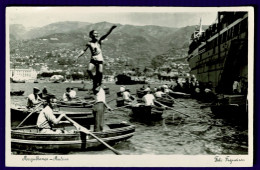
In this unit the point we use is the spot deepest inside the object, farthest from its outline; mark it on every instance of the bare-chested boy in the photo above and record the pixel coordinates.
(96, 56)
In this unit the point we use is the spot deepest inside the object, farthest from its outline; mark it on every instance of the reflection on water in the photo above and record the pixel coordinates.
(199, 134)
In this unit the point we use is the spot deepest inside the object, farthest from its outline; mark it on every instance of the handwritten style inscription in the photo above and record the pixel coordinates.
(227, 159)
(44, 159)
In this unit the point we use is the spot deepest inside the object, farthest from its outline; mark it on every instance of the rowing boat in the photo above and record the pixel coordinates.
(166, 101)
(19, 114)
(31, 141)
(106, 89)
(17, 93)
(179, 95)
(76, 104)
(147, 112)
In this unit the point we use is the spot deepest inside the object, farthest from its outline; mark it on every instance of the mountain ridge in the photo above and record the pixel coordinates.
(136, 45)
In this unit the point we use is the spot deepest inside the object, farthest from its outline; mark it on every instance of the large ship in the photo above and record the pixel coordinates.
(220, 53)
(219, 56)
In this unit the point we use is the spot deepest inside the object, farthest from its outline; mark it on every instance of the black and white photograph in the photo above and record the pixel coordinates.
(129, 86)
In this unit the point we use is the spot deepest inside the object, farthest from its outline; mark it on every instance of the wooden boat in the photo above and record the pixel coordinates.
(57, 81)
(231, 107)
(121, 102)
(90, 90)
(17, 81)
(166, 101)
(179, 95)
(19, 114)
(75, 104)
(17, 93)
(147, 113)
(83, 89)
(29, 140)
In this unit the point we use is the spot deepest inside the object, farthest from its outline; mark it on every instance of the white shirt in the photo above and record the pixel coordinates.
(159, 93)
(32, 100)
(166, 90)
(165, 86)
(46, 117)
(126, 95)
(147, 89)
(122, 88)
(101, 96)
(73, 94)
(148, 99)
(236, 86)
(65, 97)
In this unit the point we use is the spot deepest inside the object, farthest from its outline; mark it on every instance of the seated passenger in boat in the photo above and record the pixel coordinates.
(143, 87)
(47, 119)
(236, 86)
(127, 96)
(122, 88)
(66, 96)
(44, 93)
(160, 92)
(147, 88)
(72, 93)
(34, 98)
(149, 100)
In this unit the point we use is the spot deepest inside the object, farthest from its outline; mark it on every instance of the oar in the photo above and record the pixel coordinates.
(172, 109)
(177, 101)
(121, 107)
(111, 100)
(25, 127)
(83, 129)
(30, 114)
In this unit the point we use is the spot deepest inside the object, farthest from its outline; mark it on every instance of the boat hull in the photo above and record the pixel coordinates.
(19, 114)
(33, 141)
(179, 95)
(17, 93)
(146, 113)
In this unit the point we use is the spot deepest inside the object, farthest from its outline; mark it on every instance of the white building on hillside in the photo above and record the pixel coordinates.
(25, 74)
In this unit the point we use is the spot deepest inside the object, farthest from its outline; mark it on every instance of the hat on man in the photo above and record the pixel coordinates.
(36, 90)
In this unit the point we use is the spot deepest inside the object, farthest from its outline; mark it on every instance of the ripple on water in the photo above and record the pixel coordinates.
(198, 134)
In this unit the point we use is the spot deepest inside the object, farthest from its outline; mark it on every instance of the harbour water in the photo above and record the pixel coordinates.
(176, 134)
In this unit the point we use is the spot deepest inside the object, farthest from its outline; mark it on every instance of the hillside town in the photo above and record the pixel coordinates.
(39, 59)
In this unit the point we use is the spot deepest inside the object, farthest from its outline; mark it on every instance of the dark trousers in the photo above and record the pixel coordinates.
(98, 112)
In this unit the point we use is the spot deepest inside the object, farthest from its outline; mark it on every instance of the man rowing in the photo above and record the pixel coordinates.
(46, 119)
(128, 98)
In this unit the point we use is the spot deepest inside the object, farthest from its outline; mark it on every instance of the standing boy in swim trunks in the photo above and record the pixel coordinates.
(96, 56)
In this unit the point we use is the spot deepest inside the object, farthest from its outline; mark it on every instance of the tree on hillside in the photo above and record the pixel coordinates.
(157, 61)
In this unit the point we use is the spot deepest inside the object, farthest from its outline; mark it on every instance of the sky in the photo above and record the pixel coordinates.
(161, 16)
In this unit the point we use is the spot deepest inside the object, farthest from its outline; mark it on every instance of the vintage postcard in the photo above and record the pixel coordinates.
(129, 86)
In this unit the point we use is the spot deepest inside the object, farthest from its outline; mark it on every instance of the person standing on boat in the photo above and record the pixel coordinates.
(34, 98)
(47, 119)
(99, 108)
(96, 56)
